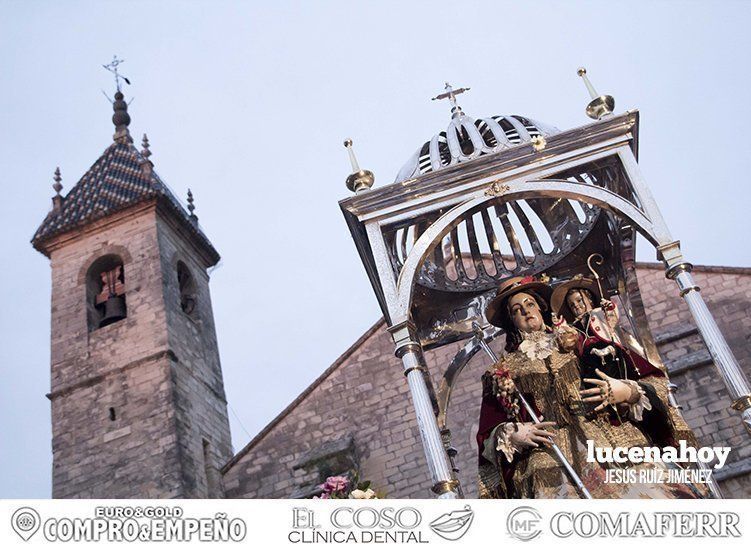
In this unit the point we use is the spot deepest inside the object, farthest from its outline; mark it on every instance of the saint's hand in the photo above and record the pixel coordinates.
(532, 435)
(611, 313)
(607, 391)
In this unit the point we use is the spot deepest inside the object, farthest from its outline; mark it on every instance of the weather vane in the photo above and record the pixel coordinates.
(112, 67)
(451, 95)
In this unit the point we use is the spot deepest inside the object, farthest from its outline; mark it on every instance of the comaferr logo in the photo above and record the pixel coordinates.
(524, 523)
(646, 524)
(454, 525)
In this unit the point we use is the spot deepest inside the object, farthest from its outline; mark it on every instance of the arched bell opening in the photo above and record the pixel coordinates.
(187, 286)
(105, 292)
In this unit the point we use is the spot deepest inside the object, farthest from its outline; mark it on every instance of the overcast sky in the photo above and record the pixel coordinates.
(248, 103)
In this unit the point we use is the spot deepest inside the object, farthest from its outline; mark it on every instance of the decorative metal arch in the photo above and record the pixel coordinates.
(590, 194)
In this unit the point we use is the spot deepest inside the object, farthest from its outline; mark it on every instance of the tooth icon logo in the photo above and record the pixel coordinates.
(25, 522)
(454, 525)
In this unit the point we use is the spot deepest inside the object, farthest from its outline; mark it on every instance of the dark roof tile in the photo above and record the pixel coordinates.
(114, 182)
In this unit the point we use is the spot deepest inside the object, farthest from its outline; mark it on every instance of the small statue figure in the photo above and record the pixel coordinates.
(588, 325)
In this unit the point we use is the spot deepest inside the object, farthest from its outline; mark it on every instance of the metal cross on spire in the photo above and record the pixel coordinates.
(112, 67)
(451, 93)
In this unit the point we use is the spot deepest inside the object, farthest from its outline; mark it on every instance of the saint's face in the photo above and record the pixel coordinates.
(579, 303)
(525, 312)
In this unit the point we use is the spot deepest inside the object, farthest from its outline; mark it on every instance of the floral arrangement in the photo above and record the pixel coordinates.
(505, 391)
(343, 487)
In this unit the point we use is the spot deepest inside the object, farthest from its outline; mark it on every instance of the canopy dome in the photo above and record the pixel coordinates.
(467, 138)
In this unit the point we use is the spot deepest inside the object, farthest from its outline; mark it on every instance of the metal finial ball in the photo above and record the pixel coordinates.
(146, 152)
(581, 71)
(57, 186)
(600, 107)
(120, 118)
(360, 181)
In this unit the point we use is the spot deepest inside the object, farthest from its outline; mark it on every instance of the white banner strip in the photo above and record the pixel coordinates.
(373, 521)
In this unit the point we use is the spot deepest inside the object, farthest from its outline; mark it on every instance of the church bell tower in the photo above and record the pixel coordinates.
(137, 395)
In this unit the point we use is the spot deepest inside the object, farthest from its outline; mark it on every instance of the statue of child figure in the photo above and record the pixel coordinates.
(610, 360)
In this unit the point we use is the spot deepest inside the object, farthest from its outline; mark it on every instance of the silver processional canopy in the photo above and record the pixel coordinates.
(502, 237)
(506, 196)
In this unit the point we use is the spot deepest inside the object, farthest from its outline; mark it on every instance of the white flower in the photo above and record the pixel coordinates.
(360, 494)
(538, 142)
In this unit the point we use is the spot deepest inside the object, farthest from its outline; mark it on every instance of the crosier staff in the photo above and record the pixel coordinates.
(583, 491)
(598, 259)
(607, 306)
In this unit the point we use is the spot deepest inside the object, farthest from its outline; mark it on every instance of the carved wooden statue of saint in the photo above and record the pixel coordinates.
(542, 363)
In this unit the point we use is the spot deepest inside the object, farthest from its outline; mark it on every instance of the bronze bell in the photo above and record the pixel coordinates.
(114, 310)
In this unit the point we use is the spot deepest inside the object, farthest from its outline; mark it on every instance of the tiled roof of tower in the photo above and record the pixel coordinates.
(117, 180)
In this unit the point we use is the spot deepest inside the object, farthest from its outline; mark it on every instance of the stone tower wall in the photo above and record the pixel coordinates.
(198, 389)
(123, 366)
(364, 396)
(147, 368)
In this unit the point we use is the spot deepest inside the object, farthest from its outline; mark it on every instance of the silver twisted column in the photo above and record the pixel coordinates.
(410, 352)
(731, 373)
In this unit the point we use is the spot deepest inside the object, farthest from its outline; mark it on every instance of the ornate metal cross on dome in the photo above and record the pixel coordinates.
(451, 95)
(112, 67)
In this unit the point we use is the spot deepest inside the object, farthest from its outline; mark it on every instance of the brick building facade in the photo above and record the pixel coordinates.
(358, 413)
